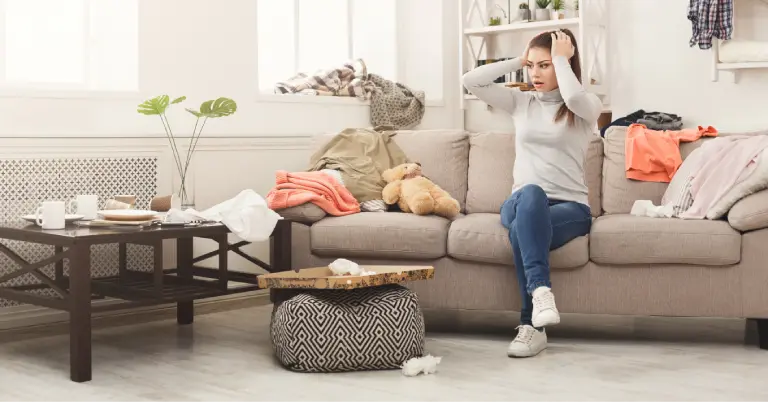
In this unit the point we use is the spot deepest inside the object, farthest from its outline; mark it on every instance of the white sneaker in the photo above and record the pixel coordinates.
(529, 342)
(544, 309)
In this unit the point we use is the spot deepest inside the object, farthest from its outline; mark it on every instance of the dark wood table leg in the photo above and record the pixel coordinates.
(223, 261)
(280, 250)
(80, 313)
(280, 253)
(185, 310)
(157, 273)
(58, 275)
(122, 261)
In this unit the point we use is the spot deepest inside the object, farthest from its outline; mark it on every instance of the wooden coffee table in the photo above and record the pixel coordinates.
(181, 285)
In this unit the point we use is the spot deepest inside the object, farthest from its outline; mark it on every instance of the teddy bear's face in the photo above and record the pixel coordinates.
(411, 170)
(401, 172)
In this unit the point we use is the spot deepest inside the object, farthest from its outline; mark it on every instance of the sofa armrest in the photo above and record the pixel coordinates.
(750, 213)
(305, 213)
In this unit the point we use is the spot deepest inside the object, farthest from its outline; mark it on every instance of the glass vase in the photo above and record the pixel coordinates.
(184, 189)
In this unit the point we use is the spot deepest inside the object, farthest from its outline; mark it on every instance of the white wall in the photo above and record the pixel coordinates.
(653, 68)
(205, 49)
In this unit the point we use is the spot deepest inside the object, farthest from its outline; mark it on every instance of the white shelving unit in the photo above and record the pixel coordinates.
(592, 35)
(718, 66)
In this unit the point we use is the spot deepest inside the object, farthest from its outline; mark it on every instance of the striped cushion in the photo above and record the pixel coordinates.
(678, 193)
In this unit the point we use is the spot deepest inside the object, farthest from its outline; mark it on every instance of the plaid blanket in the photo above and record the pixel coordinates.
(392, 104)
(710, 18)
(349, 79)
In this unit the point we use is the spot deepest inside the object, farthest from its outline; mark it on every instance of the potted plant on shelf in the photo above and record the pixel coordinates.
(576, 7)
(524, 13)
(542, 14)
(157, 106)
(558, 9)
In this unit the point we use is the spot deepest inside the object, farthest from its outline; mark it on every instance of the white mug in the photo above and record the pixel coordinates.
(52, 214)
(85, 205)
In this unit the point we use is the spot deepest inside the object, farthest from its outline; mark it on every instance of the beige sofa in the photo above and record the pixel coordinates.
(627, 265)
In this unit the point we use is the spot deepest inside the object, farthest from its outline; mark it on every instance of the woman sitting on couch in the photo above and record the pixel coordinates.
(548, 205)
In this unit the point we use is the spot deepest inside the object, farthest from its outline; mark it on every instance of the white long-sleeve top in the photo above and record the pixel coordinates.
(549, 154)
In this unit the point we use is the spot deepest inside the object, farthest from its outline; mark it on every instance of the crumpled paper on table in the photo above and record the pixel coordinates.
(246, 215)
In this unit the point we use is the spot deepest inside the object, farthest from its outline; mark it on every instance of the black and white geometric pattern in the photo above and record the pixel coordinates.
(25, 183)
(372, 328)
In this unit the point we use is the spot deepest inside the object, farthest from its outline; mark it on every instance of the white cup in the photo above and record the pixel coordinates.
(86, 205)
(51, 215)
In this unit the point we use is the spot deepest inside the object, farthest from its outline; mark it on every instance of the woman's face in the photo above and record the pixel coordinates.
(540, 69)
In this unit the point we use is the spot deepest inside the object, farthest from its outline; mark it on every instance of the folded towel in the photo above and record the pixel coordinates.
(319, 188)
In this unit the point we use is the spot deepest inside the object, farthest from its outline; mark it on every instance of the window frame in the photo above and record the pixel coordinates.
(266, 96)
(46, 90)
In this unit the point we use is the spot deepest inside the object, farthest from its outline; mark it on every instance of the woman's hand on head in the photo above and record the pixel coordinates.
(525, 54)
(561, 45)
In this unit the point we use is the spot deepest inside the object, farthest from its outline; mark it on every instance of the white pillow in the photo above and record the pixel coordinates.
(757, 180)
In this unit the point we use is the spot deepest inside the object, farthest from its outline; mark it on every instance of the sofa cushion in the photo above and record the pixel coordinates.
(750, 213)
(491, 161)
(307, 213)
(481, 237)
(593, 174)
(444, 157)
(619, 193)
(495, 152)
(628, 239)
(380, 235)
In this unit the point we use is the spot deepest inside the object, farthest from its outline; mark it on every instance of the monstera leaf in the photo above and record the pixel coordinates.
(155, 105)
(220, 107)
(158, 105)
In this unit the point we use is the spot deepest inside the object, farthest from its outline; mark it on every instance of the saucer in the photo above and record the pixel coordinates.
(132, 215)
(68, 218)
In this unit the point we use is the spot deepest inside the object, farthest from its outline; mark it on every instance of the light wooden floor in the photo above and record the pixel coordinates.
(227, 356)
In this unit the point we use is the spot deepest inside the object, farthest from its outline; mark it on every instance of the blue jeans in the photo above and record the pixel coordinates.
(537, 225)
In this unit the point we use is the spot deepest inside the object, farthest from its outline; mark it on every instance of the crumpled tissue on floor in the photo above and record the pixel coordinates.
(426, 364)
(343, 267)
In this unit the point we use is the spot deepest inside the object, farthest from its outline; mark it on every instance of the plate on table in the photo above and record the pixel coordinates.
(68, 218)
(132, 215)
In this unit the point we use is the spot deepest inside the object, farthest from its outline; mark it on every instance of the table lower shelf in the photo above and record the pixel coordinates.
(142, 287)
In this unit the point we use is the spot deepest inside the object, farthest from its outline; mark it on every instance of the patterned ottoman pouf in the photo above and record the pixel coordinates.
(346, 330)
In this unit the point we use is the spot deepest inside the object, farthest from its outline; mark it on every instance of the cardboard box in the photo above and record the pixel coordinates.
(323, 277)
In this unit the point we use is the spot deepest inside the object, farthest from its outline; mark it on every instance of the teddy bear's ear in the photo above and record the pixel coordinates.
(395, 173)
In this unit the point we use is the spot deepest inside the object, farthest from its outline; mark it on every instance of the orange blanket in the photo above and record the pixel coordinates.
(652, 155)
(292, 189)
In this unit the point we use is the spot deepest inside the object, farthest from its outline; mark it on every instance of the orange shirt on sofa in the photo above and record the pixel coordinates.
(652, 155)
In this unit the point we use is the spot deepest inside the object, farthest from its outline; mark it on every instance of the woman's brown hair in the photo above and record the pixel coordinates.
(544, 40)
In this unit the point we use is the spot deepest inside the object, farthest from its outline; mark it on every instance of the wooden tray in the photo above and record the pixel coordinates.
(323, 277)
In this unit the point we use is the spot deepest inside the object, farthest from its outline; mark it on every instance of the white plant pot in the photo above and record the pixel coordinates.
(542, 14)
(556, 15)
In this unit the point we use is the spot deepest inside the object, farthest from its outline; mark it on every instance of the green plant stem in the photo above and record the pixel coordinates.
(174, 149)
(172, 141)
(193, 146)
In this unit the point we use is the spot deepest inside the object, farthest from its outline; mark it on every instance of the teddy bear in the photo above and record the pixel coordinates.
(412, 192)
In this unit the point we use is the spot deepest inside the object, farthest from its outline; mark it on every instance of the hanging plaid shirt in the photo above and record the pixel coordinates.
(710, 18)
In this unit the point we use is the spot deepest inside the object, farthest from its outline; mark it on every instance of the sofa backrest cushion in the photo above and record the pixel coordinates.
(489, 182)
(619, 193)
(491, 162)
(444, 157)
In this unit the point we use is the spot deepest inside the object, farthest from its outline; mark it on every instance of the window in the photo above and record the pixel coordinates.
(308, 35)
(87, 45)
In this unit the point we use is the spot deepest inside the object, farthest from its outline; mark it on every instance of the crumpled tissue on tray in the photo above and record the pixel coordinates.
(246, 215)
(342, 266)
